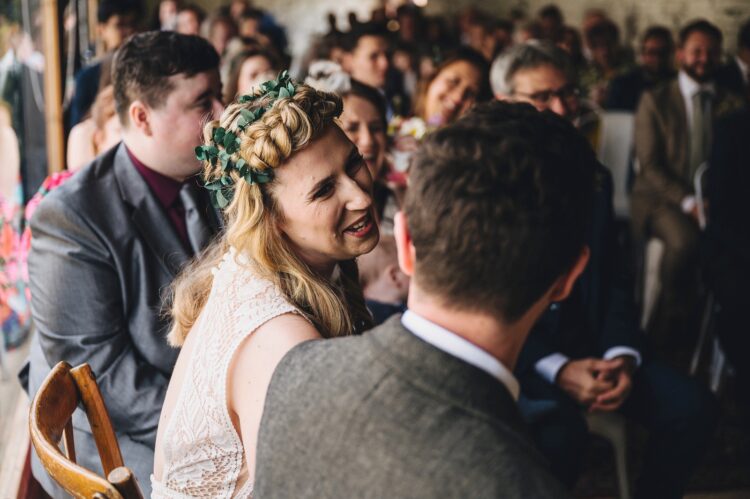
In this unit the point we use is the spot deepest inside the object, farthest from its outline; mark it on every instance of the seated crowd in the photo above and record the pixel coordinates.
(397, 273)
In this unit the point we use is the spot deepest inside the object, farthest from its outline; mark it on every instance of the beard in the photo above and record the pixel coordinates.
(696, 74)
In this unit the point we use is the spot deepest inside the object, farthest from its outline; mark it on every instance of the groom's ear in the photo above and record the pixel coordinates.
(404, 246)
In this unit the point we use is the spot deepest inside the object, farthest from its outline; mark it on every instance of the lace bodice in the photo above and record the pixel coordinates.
(202, 453)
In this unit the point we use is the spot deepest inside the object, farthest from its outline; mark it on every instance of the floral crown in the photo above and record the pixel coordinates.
(222, 190)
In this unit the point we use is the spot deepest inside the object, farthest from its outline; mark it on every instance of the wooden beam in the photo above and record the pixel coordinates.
(52, 86)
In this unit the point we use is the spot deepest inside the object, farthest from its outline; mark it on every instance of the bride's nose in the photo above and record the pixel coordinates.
(356, 196)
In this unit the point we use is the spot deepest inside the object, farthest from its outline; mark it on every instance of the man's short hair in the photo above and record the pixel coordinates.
(743, 37)
(351, 39)
(553, 12)
(529, 55)
(142, 66)
(110, 8)
(498, 207)
(700, 26)
(604, 31)
(660, 32)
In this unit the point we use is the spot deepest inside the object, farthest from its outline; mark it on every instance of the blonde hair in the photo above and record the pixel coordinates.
(252, 220)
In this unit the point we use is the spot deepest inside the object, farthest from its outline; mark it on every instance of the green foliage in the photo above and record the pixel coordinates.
(222, 190)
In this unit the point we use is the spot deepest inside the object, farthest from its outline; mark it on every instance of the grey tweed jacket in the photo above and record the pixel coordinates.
(103, 254)
(388, 415)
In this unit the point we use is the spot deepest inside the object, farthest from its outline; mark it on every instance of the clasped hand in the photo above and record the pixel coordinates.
(600, 385)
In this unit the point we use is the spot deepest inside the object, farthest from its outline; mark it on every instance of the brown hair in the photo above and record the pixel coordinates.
(497, 207)
(464, 54)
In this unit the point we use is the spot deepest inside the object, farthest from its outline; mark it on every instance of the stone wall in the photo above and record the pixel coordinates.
(303, 18)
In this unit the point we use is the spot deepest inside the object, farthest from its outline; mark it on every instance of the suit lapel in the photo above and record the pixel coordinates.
(148, 216)
(681, 130)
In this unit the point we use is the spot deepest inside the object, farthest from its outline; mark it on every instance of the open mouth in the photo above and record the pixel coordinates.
(361, 227)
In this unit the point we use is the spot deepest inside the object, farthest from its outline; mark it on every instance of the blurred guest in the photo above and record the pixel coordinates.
(541, 74)
(570, 42)
(503, 35)
(366, 59)
(116, 22)
(237, 7)
(728, 246)
(433, 392)
(219, 29)
(735, 75)
(529, 30)
(109, 241)
(96, 134)
(482, 37)
(608, 60)
(404, 61)
(551, 22)
(189, 20)
(384, 284)
(249, 69)
(460, 81)
(249, 23)
(673, 130)
(167, 15)
(14, 305)
(657, 65)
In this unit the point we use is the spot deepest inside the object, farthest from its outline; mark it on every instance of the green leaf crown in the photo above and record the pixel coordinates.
(224, 143)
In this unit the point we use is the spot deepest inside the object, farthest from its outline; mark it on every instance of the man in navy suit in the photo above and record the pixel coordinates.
(728, 244)
(586, 354)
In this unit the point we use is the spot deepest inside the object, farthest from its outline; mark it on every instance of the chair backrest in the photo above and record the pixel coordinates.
(615, 151)
(50, 421)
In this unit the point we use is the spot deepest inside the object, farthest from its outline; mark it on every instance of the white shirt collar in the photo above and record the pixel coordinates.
(454, 345)
(689, 87)
(743, 69)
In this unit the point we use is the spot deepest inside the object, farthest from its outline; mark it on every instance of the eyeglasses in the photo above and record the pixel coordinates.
(567, 94)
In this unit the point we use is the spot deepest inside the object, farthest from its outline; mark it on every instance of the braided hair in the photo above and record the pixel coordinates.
(252, 218)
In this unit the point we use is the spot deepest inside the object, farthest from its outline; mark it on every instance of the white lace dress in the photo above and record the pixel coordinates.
(202, 453)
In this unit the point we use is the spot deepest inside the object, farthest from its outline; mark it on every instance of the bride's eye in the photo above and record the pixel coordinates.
(324, 190)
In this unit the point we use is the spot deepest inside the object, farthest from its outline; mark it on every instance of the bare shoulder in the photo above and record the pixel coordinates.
(257, 356)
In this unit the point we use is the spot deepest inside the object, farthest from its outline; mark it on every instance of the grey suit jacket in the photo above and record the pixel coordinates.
(103, 254)
(386, 414)
(662, 145)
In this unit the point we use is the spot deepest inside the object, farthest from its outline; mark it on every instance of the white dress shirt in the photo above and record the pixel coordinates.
(548, 367)
(458, 347)
(744, 70)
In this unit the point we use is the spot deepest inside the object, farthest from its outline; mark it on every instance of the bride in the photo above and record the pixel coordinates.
(296, 196)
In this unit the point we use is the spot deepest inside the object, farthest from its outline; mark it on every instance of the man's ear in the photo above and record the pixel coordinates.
(564, 284)
(139, 115)
(404, 246)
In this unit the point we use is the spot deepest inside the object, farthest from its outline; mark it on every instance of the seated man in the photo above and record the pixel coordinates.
(384, 285)
(425, 404)
(107, 244)
(584, 352)
(673, 135)
(542, 75)
(656, 66)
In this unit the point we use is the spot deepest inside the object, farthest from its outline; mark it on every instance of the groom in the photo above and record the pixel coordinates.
(425, 405)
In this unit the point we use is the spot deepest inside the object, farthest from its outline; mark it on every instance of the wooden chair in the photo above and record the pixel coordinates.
(50, 421)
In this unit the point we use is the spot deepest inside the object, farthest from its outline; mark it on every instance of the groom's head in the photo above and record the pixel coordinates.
(495, 214)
